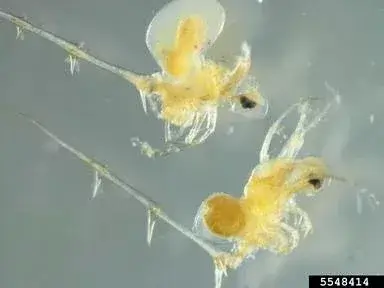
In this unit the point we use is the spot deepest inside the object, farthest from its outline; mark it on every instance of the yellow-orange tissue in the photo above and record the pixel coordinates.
(190, 35)
(188, 91)
(266, 215)
(256, 219)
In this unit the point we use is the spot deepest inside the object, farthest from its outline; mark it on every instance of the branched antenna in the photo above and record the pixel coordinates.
(154, 211)
(75, 51)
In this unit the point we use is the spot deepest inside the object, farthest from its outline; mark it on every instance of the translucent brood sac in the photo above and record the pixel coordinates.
(178, 60)
(266, 216)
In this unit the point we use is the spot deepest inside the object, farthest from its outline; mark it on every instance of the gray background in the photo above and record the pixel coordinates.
(53, 235)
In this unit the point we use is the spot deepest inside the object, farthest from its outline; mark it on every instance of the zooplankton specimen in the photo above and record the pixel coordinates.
(266, 216)
(189, 89)
(259, 219)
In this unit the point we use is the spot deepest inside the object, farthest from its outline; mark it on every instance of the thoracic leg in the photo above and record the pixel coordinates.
(211, 117)
(195, 128)
(173, 134)
(288, 239)
(302, 220)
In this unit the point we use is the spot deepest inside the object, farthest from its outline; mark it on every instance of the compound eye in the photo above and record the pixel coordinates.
(316, 183)
(247, 103)
(249, 108)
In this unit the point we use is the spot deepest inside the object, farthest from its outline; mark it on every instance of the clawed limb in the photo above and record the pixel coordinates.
(296, 140)
(301, 218)
(287, 239)
(178, 138)
(204, 122)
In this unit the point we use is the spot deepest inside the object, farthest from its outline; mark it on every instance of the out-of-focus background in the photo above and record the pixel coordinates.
(53, 235)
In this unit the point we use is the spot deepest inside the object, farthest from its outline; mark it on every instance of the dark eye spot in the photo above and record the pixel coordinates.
(247, 103)
(316, 183)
